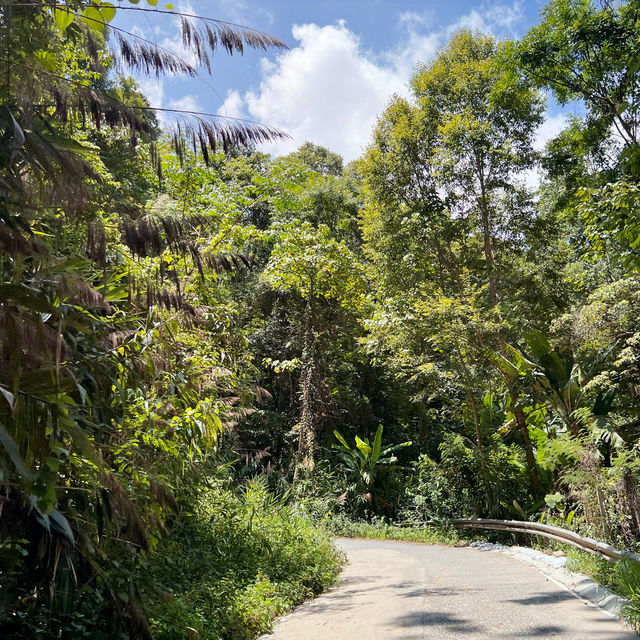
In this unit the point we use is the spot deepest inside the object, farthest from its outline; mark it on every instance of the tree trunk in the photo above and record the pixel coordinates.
(488, 248)
(493, 295)
(306, 432)
(532, 468)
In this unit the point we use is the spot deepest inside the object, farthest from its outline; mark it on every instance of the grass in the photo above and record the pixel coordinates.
(622, 578)
(234, 565)
(380, 530)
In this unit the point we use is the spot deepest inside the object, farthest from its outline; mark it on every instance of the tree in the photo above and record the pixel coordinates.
(320, 159)
(485, 133)
(97, 422)
(321, 270)
(588, 51)
(442, 187)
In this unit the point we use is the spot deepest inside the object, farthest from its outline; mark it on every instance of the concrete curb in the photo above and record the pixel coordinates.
(553, 568)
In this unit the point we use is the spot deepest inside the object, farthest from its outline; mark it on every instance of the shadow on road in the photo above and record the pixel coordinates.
(448, 621)
(543, 598)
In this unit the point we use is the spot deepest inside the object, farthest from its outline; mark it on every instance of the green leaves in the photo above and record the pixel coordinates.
(61, 524)
(610, 215)
(341, 439)
(314, 264)
(93, 19)
(377, 443)
(28, 298)
(108, 11)
(8, 396)
(12, 451)
(365, 448)
(95, 16)
(13, 135)
(366, 464)
(556, 371)
(63, 18)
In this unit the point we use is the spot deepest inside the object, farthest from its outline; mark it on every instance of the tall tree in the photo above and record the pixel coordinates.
(321, 270)
(448, 170)
(587, 50)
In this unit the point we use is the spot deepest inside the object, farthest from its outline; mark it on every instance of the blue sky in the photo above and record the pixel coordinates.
(345, 60)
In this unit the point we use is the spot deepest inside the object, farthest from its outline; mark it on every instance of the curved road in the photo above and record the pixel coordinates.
(403, 591)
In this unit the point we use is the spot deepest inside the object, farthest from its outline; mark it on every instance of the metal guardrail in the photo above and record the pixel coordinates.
(554, 533)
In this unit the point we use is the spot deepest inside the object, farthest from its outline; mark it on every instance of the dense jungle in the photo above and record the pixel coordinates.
(213, 359)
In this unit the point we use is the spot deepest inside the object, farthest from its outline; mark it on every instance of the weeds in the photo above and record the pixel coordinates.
(234, 565)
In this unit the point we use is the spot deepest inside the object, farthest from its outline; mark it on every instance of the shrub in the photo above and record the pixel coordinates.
(453, 487)
(234, 564)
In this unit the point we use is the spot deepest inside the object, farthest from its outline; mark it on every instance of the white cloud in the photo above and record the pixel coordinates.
(153, 88)
(326, 90)
(330, 90)
(232, 106)
(417, 46)
(506, 16)
(411, 19)
(549, 129)
(497, 19)
(186, 103)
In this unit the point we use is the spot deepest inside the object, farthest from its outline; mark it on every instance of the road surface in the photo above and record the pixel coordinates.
(403, 591)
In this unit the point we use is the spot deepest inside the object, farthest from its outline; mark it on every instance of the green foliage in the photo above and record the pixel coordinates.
(237, 561)
(319, 159)
(312, 263)
(622, 578)
(449, 488)
(587, 50)
(172, 315)
(381, 530)
(627, 579)
(116, 350)
(370, 469)
(610, 216)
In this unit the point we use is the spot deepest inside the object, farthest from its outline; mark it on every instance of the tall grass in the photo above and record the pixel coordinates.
(233, 564)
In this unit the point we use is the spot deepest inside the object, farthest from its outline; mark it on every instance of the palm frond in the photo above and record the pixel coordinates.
(217, 133)
(149, 58)
(201, 33)
(200, 36)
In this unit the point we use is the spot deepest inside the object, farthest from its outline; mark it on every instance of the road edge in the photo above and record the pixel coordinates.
(578, 584)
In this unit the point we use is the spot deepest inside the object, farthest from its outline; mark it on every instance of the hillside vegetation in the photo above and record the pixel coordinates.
(210, 357)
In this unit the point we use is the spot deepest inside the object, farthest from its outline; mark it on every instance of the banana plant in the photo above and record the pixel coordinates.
(562, 381)
(557, 381)
(367, 465)
(515, 369)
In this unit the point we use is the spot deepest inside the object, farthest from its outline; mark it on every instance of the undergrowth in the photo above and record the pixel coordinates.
(382, 530)
(233, 564)
(622, 578)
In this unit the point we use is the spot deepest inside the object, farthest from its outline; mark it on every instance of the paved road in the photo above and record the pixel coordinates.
(403, 591)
